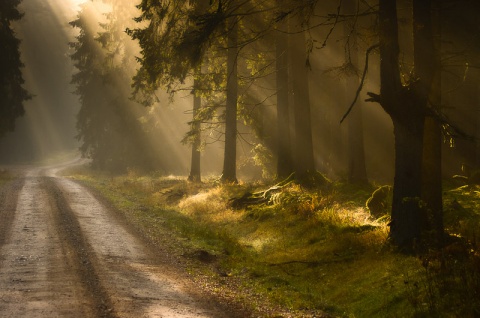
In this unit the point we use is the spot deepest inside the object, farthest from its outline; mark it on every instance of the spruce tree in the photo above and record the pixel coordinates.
(107, 126)
(12, 93)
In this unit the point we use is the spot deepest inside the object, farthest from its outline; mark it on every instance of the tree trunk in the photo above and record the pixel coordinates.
(432, 178)
(284, 149)
(195, 173)
(407, 115)
(432, 148)
(357, 172)
(230, 157)
(407, 218)
(390, 84)
(304, 158)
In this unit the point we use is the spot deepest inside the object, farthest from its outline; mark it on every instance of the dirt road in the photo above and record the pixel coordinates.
(64, 254)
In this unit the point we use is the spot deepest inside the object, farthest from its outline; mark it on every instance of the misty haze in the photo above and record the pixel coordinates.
(224, 158)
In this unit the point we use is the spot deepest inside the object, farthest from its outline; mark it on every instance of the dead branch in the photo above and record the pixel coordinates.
(362, 82)
(259, 197)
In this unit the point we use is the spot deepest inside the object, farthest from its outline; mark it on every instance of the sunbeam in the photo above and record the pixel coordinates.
(48, 126)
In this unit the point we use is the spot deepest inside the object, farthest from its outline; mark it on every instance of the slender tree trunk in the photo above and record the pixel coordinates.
(477, 131)
(230, 157)
(304, 158)
(195, 172)
(432, 151)
(284, 149)
(357, 172)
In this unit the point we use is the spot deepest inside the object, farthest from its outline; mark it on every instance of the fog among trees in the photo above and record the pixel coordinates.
(383, 91)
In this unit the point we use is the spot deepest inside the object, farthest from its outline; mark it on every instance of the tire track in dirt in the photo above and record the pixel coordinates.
(78, 251)
(35, 276)
(136, 284)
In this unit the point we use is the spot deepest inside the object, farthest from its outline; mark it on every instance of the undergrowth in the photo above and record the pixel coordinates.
(310, 253)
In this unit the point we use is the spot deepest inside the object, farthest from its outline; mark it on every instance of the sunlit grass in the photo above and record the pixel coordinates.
(311, 251)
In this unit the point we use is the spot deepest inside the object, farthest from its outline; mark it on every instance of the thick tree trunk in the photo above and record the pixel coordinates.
(407, 218)
(390, 84)
(408, 221)
(304, 158)
(284, 148)
(230, 156)
(195, 173)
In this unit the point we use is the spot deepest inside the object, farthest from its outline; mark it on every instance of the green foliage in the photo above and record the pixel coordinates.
(462, 211)
(107, 124)
(263, 158)
(164, 61)
(184, 39)
(12, 93)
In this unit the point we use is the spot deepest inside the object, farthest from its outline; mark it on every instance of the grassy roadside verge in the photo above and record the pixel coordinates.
(313, 253)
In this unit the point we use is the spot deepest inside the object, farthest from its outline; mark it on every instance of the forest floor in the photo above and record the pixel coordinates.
(304, 252)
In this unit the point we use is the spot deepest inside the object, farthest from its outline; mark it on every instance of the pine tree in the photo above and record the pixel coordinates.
(12, 93)
(165, 62)
(107, 125)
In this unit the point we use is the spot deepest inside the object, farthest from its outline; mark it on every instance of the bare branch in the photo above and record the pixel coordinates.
(362, 82)
(324, 44)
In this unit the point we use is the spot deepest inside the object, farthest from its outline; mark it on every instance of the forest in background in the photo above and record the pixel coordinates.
(336, 36)
(254, 71)
(334, 49)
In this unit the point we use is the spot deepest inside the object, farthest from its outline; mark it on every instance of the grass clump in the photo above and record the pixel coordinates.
(304, 253)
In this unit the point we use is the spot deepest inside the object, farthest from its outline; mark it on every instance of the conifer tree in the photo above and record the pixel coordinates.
(163, 62)
(107, 125)
(12, 93)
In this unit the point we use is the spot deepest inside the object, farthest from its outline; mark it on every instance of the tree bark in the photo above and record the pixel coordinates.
(407, 115)
(195, 172)
(304, 158)
(284, 148)
(407, 221)
(230, 156)
(432, 151)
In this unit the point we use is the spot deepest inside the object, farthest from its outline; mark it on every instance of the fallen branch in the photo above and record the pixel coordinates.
(259, 197)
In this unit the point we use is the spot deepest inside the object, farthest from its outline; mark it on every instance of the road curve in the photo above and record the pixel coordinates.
(64, 254)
